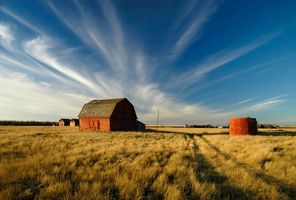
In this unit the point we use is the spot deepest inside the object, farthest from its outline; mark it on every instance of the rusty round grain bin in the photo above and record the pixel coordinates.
(242, 126)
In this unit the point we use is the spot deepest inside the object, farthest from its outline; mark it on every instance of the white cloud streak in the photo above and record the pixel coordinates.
(30, 100)
(6, 36)
(110, 46)
(39, 49)
(267, 103)
(216, 61)
(243, 102)
(10, 61)
(256, 67)
(21, 20)
(193, 30)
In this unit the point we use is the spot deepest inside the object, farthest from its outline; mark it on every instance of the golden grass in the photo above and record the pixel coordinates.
(175, 163)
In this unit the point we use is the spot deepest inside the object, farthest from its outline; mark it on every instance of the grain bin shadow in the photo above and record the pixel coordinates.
(206, 173)
(277, 133)
(289, 190)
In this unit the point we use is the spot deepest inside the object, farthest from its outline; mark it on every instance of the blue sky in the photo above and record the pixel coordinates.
(197, 62)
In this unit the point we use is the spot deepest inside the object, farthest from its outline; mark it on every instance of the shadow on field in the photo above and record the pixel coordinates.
(289, 190)
(186, 133)
(206, 173)
(278, 133)
(260, 133)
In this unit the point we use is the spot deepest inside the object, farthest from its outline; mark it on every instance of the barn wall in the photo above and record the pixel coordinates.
(123, 117)
(104, 124)
(94, 124)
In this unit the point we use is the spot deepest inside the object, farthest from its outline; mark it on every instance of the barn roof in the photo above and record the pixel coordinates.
(99, 108)
(64, 119)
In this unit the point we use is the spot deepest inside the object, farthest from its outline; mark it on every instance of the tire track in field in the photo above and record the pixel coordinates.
(206, 173)
(282, 188)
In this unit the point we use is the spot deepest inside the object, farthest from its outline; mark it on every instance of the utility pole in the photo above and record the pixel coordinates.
(157, 121)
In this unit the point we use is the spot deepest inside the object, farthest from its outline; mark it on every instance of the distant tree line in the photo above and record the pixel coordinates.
(268, 126)
(204, 126)
(27, 123)
(211, 126)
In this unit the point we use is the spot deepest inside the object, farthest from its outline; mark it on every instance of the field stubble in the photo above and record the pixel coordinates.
(176, 163)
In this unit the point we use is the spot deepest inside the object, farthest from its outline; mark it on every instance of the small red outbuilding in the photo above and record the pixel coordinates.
(64, 122)
(108, 115)
(74, 122)
(242, 126)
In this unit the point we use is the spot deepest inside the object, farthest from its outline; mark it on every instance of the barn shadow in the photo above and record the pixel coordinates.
(206, 173)
(289, 190)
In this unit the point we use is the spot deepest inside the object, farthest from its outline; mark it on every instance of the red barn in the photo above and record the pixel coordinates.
(108, 115)
(242, 126)
(64, 122)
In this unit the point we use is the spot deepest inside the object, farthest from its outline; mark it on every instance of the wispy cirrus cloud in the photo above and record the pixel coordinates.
(218, 60)
(34, 100)
(251, 106)
(192, 31)
(39, 48)
(110, 46)
(6, 36)
(243, 102)
(266, 104)
(185, 14)
(264, 66)
(14, 57)
(21, 20)
(7, 61)
(237, 105)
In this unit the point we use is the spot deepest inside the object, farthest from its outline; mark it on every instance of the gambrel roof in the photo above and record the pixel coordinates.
(100, 108)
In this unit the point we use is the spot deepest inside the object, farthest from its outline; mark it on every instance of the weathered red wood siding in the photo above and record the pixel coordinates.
(94, 124)
(242, 126)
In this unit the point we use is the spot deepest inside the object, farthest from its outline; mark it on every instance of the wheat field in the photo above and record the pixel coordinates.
(175, 163)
